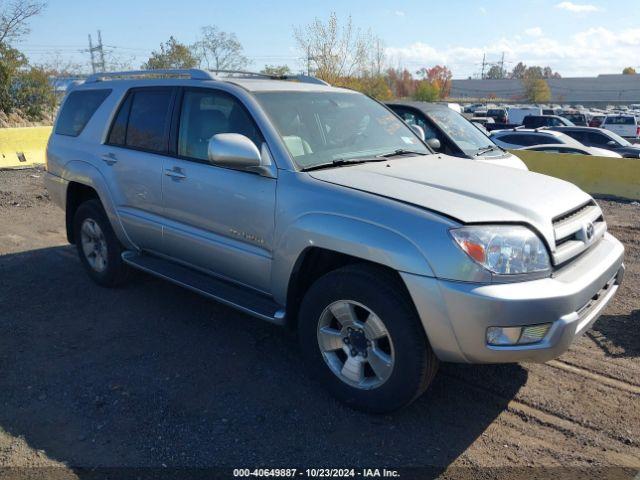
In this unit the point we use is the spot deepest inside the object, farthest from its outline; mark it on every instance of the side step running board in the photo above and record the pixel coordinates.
(243, 299)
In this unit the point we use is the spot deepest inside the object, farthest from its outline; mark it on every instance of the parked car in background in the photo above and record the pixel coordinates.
(550, 111)
(517, 114)
(600, 138)
(573, 149)
(473, 107)
(576, 118)
(526, 137)
(627, 126)
(537, 121)
(499, 115)
(484, 121)
(596, 120)
(449, 132)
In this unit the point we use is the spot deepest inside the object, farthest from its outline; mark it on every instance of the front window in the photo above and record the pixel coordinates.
(321, 127)
(466, 136)
(605, 138)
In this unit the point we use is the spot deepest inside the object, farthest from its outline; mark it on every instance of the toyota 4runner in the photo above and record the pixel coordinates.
(318, 208)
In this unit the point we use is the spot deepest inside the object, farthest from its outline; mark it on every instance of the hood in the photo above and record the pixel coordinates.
(471, 192)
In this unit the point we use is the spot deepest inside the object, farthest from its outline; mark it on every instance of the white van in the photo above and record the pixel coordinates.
(517, 114)
(624, 125)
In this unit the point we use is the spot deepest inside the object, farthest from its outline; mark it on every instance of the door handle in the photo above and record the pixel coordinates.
(176, 173)
(109, 158)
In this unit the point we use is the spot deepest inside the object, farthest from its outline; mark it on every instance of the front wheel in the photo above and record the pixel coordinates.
(362, 338)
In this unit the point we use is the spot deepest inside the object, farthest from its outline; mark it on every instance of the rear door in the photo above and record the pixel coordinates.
(132, 162)
(217, 219)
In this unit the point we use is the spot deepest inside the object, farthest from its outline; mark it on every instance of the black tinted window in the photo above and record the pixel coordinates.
(577, 135)
(533, 122)
(78, 109)
(118, 132)
(514, 139)
(537, 140)
(206, 113)
(598, 138)
(149, 119)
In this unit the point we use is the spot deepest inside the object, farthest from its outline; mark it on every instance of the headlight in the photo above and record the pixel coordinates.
(503, 249)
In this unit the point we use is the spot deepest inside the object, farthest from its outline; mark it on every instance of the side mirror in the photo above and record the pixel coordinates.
(236, 151)
(418, 130)
(612, 143)
(434, 143)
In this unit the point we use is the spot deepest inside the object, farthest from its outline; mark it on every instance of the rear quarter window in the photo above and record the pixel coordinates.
(78, 109)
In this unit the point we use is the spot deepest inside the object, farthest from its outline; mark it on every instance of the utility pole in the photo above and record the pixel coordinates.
(502, 66)
(483, 63)
(97, 63)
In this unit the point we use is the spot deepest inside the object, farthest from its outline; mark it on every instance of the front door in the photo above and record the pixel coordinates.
(217, 219)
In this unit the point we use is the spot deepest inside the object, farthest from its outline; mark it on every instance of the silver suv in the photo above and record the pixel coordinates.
(318, 208)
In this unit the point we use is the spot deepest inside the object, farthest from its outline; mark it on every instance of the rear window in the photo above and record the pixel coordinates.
(620, 121)
(78, 109)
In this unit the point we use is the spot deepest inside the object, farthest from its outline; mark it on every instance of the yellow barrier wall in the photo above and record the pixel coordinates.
(618, 177)
(23, 147)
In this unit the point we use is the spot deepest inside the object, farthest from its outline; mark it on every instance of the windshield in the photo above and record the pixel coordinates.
(322, 127)
(467, 137)
(618, 138)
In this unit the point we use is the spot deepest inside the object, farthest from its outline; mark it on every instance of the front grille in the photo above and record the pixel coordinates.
(577, 230)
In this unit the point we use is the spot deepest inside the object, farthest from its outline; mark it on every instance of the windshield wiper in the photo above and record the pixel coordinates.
(400, 151)
(488, 148)
(341, 162)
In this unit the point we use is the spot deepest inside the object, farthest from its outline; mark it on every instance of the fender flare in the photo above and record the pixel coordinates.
(346, 235)
(87, 174)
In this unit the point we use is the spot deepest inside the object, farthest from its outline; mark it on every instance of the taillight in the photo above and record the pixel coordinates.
(638, 132)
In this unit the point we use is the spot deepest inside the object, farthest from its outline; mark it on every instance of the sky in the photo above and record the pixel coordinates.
(580, 38)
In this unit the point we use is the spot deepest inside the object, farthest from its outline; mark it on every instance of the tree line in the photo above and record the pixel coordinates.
(335, 51)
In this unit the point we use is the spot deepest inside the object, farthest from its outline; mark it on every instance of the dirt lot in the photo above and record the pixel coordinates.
(151, 375)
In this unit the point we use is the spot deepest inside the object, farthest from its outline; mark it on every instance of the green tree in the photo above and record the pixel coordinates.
(426, 91)
(496, 72)
(33, 94)
(373, 85)
(11, 61)
(629, 71)
(538, 91)
(518, 71)
(439, 77)
(172, 54)
(276, 70)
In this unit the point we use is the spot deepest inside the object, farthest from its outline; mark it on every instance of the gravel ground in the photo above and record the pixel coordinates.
(151, 375)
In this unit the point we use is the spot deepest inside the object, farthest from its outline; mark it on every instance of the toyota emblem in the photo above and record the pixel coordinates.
(590, 230)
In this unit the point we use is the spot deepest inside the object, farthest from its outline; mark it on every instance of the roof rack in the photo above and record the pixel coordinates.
(198, 74)
(192, 73)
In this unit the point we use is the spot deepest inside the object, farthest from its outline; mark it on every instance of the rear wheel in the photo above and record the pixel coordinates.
(98, 246)
(361, 337)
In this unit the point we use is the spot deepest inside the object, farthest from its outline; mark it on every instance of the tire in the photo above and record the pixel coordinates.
(112, 271)
(362, 290)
